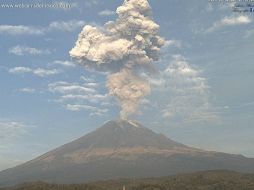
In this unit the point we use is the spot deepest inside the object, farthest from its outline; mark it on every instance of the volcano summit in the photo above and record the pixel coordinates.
(121, 149)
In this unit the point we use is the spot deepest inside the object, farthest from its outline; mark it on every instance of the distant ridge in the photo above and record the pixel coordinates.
(121, 149)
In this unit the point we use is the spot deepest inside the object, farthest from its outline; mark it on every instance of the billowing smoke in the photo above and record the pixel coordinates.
(124, 49)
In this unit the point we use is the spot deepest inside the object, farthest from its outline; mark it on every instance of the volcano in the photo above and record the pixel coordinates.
(121, 149)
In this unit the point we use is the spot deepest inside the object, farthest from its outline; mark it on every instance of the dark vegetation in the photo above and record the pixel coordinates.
(210, 180)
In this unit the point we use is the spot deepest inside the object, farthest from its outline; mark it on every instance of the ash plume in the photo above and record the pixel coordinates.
(124, 49)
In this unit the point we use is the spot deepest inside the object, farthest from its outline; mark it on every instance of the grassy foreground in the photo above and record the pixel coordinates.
(209, 180)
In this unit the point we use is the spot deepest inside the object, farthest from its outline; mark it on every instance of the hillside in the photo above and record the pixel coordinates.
(209, 180)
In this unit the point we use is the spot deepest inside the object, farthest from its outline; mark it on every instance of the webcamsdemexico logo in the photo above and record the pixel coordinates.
(238, 6)
(244, 8)
(59, 5)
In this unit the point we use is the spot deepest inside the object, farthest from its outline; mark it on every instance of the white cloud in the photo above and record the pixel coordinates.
(79, 107)
(230, 21)
(235, 20)
(86, 79)
(173, 43)
(45, 72)
(94, 111)
(38, 71)
(20, 30)
(183, 94)
(20, 70)
(91, 84)
(82, 107)
(65, 88)
(24, 50)
(27, 90)
(222, 6)
(64, 63)
(68, 26)
(11, 130)
(106, 12)
(91, 3)
(95, 98)
(78, 97)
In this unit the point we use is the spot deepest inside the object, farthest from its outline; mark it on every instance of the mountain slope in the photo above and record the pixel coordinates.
(120, 149)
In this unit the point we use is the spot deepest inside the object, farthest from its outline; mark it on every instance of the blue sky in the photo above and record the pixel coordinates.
(202, 96)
